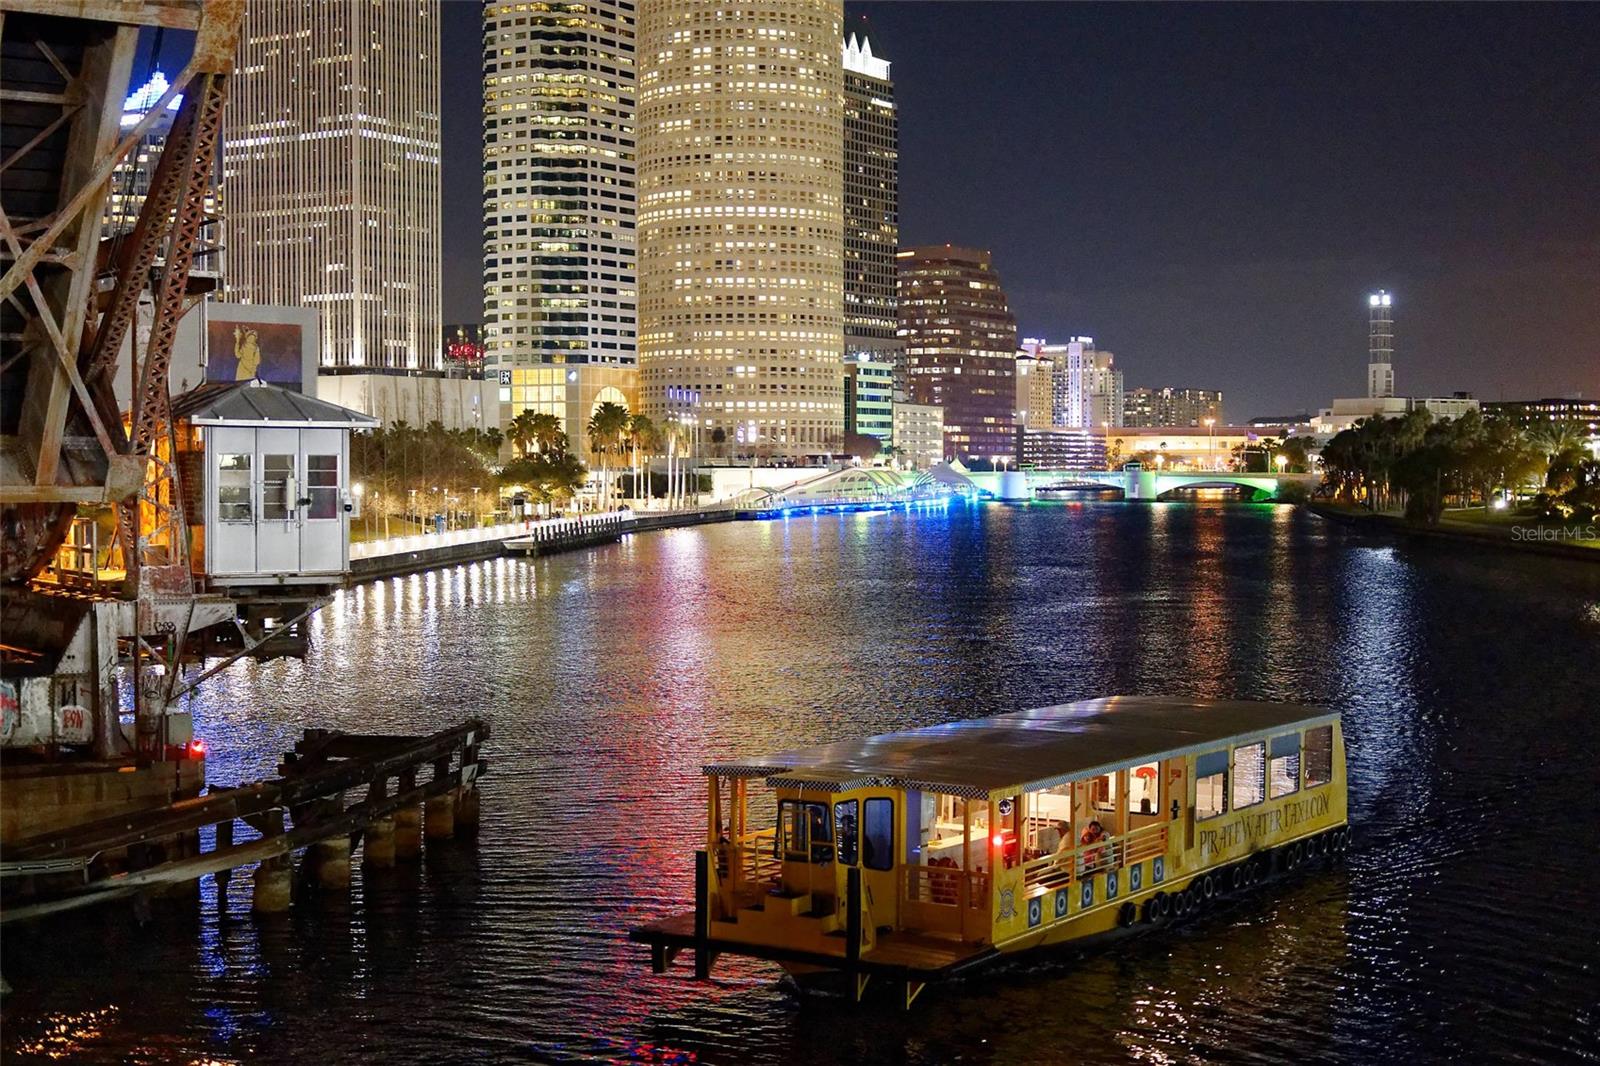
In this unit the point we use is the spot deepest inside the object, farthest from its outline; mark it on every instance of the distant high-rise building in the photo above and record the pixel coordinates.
(132, 178)
(1172, 407)
(919, 433)
(961, 343)
(741, 224)
(871, 207)
(1035, 386)
(1380, 345)
(1088, 386)
(331, 174)
(869, 398)
(558, 182)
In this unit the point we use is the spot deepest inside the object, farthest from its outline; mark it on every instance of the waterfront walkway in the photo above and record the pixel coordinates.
(392, 556)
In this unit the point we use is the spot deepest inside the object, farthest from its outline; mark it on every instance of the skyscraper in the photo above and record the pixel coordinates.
(961, 344)
(558, 182)
(1380, 345)
(1088, 386)
(871, 208)
(132, 178)
(1144, 407)
(741, 227)
(331, 174)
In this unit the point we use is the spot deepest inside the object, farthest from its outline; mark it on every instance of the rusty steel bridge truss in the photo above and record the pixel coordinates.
(70, 302)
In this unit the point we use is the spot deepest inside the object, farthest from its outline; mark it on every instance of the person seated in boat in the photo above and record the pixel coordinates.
(1064, 839)
(1048, 840)
(1093, 833)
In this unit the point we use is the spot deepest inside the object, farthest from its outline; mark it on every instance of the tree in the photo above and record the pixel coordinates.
(545, 478)
(1297, 450)
(408, 471)
(547, 434)
(642, 436)
(719, 439)
(519, 431)
(608, 425)
(862, 446)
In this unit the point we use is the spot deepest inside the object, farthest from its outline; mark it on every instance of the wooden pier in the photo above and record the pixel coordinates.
(404, 783)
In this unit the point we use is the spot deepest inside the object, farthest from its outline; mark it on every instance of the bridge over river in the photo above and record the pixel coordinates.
(1133, 484)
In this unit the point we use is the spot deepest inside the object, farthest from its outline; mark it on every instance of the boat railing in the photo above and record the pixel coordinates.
(749, 863)
(945, 886)
(1064, 867)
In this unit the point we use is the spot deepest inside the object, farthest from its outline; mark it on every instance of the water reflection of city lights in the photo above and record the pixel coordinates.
(66, 1036)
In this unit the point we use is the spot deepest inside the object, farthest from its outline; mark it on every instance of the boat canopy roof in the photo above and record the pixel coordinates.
(1028, 750)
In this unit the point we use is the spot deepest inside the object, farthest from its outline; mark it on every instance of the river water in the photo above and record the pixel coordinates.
(1463, 925)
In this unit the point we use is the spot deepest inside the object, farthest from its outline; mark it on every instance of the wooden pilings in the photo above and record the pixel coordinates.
(377, 844)
(702, 915)
(334, 790)
(440, 817)
(408, 834)
(273, 887)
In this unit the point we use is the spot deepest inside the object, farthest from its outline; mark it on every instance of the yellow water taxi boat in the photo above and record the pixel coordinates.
(918, 856)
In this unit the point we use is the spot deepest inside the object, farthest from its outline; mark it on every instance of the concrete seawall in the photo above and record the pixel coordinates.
(426, 558)
(1488, 538)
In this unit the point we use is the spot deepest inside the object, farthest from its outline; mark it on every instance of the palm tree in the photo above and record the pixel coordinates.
(673, 435)
(547, 434)
(641, 435)
(608, 424)
(519, 431)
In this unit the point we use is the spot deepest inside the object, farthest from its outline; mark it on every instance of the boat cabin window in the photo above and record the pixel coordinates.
(1284, 767)
(804, 832)
(1144, 786)
(844, 820)
(877, 838)
(1210, 785)
(1319, 756)
(1249, 774)
(1050, 820)
(940, 823)
(1103, 793)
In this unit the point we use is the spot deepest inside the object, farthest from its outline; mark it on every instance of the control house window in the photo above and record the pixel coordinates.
(233, 487)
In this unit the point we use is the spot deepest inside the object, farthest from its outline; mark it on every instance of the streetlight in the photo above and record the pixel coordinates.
(1211, 442)
(356, 490)
(477, 516)
(1282, 461)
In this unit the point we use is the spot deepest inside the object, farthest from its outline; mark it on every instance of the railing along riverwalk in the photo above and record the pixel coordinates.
(305, 807)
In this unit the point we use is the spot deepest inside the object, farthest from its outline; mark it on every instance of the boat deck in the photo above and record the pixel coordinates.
(900, 955)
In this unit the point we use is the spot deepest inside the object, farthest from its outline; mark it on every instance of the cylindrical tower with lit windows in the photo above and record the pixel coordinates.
(741, 222)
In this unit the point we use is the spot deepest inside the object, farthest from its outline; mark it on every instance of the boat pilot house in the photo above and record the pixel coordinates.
(921, 854)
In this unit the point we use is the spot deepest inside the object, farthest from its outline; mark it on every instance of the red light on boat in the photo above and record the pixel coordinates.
(197, 749)
(999, 840)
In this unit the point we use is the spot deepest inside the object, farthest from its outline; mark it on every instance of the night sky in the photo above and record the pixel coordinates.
(1211, 191)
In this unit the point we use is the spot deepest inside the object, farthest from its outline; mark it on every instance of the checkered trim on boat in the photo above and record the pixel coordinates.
(965, 791)
(736, 770)
(811, 785)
